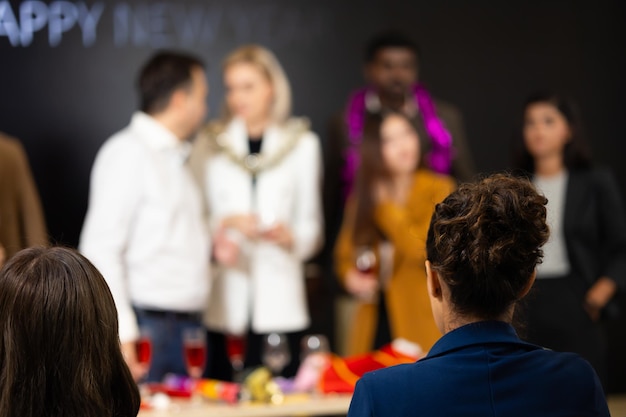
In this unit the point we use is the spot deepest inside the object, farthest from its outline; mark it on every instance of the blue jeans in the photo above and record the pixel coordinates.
(166, 330)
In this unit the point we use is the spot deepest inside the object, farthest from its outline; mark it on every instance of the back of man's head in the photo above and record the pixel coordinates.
(163, 74)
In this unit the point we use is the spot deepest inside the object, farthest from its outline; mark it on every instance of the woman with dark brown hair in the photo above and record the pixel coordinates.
(60, 352)
(387, 219)
(483, 245)
(585, 257)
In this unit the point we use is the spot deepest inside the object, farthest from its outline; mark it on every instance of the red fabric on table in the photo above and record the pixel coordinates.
(343, 373)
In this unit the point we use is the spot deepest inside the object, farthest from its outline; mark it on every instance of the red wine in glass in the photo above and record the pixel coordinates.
(195, 358)
(144, 351)
(195, 352)
(235, 348)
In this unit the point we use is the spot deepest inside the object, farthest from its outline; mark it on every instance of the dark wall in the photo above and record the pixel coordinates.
(64, 93)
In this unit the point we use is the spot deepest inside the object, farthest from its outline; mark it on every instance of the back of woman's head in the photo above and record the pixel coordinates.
(60, 352)
(485, 241)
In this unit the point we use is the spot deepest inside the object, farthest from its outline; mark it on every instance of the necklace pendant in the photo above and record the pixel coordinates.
(252, 162)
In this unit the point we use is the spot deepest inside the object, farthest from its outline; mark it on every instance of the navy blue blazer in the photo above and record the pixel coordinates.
(483, 369)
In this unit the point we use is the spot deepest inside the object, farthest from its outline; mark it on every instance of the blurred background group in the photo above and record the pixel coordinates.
(313, 162)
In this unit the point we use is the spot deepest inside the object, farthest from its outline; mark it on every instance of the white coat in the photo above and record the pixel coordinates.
(267, 290)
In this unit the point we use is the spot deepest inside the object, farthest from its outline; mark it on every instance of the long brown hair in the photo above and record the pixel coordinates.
(60, 353)
(372, 169)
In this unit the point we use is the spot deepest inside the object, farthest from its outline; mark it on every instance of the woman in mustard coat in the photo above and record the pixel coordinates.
(387, 219)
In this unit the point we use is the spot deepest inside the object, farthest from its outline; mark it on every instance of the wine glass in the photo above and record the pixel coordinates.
(235, 348)
(195, 348)
(143, 348)
(365, 260)
(314, 344)
(276, 353)
(315, 356)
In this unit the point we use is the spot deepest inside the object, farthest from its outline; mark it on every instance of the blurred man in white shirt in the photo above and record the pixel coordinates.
(144, 228)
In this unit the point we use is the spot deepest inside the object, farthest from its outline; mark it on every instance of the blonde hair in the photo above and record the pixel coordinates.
(266, 62)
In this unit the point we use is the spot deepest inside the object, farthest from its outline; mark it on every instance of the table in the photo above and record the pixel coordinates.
(302, 406)
(297, 405)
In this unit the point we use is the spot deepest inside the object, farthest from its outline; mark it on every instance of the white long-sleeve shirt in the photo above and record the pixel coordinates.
(144, 228)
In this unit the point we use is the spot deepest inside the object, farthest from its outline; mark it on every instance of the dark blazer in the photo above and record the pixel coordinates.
(595, 227)
(483, 369)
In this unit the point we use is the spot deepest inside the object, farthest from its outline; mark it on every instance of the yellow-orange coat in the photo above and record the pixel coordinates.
(406, 226)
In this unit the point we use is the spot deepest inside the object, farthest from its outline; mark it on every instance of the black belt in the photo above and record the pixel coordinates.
(178, 315)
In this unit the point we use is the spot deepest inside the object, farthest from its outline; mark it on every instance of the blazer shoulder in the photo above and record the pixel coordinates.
(393, 373)
(597, 178)
(576, 378)
(592, 173)
(601, 174)
(399, 378)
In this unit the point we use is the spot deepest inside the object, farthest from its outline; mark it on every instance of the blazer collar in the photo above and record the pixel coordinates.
(484, 332)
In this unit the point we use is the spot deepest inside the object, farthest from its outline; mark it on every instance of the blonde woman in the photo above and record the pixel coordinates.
(262, 184)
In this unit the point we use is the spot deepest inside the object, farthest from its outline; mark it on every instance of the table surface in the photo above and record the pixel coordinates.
(299, 405)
